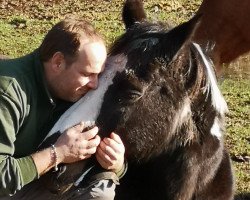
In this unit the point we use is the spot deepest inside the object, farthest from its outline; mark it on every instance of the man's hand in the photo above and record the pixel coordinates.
(110, 153)
(74, 145)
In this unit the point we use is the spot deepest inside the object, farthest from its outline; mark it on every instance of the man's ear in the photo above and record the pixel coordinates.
(57, 61)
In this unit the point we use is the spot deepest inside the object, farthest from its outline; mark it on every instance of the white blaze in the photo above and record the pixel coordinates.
(88, 107)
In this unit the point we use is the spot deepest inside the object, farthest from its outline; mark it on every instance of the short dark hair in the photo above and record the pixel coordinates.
(65, 37)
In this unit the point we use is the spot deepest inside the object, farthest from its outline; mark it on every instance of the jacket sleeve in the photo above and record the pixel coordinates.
(14, 172)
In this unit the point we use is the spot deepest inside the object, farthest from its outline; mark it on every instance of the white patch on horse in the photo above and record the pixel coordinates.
(218, 101)
(216, 128)
(182, 115)
(88, 107)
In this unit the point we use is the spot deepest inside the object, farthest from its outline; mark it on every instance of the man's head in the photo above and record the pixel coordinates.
(73, 54)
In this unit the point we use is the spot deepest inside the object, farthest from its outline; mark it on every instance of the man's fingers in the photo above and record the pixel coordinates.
(103, 157)
(87, 135)
(82, 157)
(116, 138)
(93, 142)
(79, 126)
(117, 147)
(108, 150)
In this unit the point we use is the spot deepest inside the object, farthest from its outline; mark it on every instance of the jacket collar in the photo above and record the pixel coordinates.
(40, 75)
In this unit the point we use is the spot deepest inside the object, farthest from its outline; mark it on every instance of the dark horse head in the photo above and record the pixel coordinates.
(166, 105)
(165, 94)
(160, 94)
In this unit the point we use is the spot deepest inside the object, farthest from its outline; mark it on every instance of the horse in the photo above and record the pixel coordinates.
(159, 93)
(225, 25)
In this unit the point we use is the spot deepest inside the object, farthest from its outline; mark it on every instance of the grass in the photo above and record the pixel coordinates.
(237, 95)
(24, 23)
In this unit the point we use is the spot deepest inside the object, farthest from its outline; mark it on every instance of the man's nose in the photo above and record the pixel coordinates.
(93, 82)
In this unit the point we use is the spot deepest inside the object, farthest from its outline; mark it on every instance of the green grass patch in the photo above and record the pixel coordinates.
(19, 35)
(237, 95)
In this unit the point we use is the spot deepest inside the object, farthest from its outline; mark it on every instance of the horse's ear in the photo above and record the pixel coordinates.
(133, 11)
(182, 34)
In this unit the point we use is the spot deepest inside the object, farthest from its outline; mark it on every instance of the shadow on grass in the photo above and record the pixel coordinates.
(245, 196)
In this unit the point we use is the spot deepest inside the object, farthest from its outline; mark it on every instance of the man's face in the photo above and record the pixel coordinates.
(76, 80)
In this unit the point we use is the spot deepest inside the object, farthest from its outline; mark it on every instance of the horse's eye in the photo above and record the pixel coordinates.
(134, 93)
(131, 96)
(130, 90)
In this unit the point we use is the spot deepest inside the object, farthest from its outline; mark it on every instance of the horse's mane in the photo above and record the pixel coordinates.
(138, 35)
(218, 101)
(153, 40)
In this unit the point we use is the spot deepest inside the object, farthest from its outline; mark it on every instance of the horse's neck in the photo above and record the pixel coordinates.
(226, 23)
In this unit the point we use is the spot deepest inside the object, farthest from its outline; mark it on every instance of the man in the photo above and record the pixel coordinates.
(34, 91)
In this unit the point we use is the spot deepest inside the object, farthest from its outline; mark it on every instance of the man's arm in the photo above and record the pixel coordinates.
(17, 172)
(14, 172)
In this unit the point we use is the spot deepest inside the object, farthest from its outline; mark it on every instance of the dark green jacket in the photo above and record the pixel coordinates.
(27, 113)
